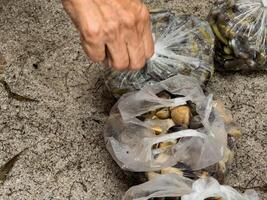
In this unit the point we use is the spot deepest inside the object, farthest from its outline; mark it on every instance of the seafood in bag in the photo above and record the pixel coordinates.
(240, 27)
(166, 124)
(183, 45)
(174, 187)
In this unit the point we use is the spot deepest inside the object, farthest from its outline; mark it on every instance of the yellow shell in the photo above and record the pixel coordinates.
(235, 132)
(167, 144)
(157, 130)
(223, 112)
(162, 158)
(163, 113)
(181, 115)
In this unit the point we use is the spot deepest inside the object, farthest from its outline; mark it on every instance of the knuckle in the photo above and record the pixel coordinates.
(129, 20)
(91, 33)
(111, 29)
(114, 25)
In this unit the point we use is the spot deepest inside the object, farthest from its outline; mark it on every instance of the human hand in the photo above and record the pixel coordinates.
(116, 32)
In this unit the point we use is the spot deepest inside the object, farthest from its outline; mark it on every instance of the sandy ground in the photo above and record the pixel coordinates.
(66, 156)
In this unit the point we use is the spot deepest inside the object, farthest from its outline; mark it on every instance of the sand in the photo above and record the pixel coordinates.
(66, 156)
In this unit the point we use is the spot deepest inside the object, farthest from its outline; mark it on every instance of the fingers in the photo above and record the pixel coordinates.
(136, 51)
(91, 35)
(140, 43)
(134, 42)
(145, 32)
(147, 35)
(117, 32)
(118, 54)
(116, 50)
(95, 51)
(125, 43)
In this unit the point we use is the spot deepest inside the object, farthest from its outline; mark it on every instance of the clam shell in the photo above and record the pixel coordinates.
(181, 115)
(163, 113)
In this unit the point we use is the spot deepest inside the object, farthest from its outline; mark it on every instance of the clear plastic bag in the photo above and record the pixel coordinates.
(208, 188)
(171, 186)
(130, 141)
(183, 45)
(240, 27)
